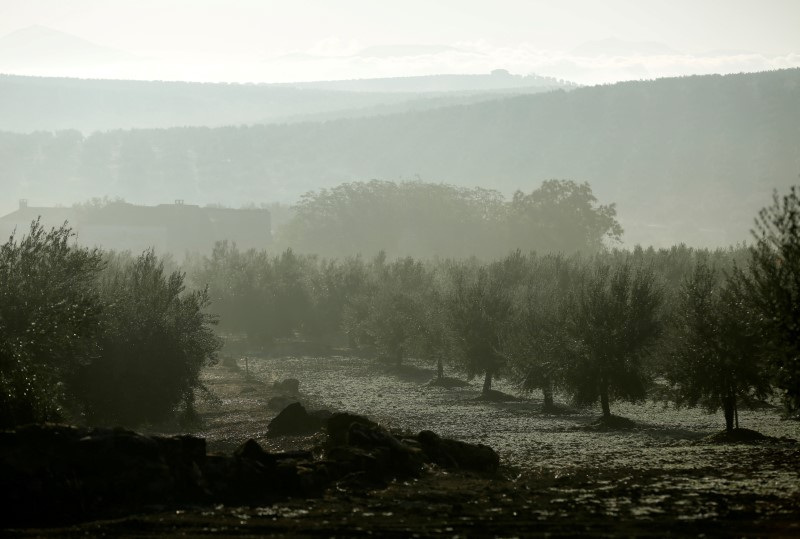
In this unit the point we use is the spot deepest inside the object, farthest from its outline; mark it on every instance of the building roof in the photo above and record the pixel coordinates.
(175, 227)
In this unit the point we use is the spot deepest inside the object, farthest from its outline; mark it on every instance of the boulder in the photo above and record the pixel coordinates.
(449, 453)
(290, 386)
(280, 402)
(338, 427)
(294, 420)
(252, 450)
(359, 445)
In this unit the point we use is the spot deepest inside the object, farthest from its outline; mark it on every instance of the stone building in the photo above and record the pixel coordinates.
(174, 228)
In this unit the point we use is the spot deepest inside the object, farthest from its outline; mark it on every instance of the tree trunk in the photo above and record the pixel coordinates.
(439, 369)
(729, 408)
(487, 383)
(547, 392)
(604, 399)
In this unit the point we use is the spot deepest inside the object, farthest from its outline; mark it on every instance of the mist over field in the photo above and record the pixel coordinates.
(491, 270)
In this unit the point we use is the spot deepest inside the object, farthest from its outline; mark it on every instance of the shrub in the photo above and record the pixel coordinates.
(50, 314)
(156, 339)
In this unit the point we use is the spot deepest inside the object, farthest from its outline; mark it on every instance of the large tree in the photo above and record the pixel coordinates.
(562, 216)
(406, 218)
(427, 220)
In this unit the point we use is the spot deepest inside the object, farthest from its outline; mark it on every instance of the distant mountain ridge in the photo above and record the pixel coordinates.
(49, 103)
(45, 47)
(687, 159)
(497, 80)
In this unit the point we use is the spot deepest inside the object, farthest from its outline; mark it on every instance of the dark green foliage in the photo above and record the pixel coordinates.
(772, 285)
(50, 312)
(614, 321)
(715, 346)
(156, 339)
(114, 339)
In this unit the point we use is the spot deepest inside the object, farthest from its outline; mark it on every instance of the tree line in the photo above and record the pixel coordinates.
(429, 220)
(715, 328)
(105, 337)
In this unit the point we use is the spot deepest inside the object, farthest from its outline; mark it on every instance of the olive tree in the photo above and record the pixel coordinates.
(50, 313)
(772, 285)
(156, 337)
(536, 340)
(715, 346)
(614, 321)
(479, 307)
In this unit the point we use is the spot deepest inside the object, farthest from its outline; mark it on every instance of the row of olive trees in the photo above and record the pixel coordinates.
(718, 327)
(599, 328)
(95, 336)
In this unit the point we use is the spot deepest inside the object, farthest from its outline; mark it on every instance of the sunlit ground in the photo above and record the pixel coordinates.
(660, 469)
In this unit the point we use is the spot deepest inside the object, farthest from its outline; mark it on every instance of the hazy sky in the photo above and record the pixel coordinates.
(264, 40)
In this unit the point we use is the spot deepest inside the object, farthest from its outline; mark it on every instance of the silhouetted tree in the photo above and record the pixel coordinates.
(715, 346)
(478, 302)
(394, 315)
(772, 284)
(50, 313)
(537, 342)
(156, 339)
(562, 216)
(614, 321)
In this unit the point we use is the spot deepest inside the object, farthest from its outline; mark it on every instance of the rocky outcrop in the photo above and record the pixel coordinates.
(57, 473)
(52, 474)
(456, 454)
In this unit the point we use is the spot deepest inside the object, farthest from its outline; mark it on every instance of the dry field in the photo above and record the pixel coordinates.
(561, 475)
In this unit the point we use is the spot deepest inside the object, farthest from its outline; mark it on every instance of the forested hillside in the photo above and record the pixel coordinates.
(685, 159)
(30, 104)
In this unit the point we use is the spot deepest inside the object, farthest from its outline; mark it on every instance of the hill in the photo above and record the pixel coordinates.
(498, 80)
(30, 104)
(39, 47)
(686, 159)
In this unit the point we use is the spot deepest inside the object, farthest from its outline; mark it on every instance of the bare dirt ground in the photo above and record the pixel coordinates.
(561, 476)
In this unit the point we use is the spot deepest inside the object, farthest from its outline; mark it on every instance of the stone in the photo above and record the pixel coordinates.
(338, 427)
(294, 420)
(449, 453)
(290, 386)
(279, 402)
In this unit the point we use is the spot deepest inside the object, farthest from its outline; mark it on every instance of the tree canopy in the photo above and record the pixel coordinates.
(427, 220)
